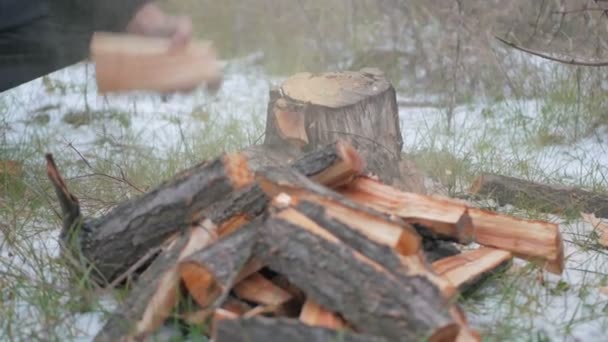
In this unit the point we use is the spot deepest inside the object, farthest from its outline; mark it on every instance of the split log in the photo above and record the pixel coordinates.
(469, 269)
(156, 292)
(314, 315)
(537, 241)
(113, 242)
(543, 197)
(257, 289)
(444, 217)
(260, 329)
(209, 274)
(366, 294)
(332, 165)
(311, 110)
(401, 266)
(376, 226)
(126, 62)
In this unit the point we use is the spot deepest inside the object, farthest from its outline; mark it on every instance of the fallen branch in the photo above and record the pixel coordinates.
(569, 61)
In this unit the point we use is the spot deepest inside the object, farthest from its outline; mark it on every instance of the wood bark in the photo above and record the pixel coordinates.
(543, 197)
(211, 272)
(113, 242)
(129, 62)
(469, 269)
(220, 190)
(444, 217)
(376, 226)
(401, 266)
(366, 294)
(311, 110)
(261, 329)
(155, 293)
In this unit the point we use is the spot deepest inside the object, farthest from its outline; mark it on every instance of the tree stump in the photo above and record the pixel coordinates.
(311, 110)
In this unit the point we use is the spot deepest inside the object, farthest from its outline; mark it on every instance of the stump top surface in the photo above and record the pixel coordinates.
(335, 89)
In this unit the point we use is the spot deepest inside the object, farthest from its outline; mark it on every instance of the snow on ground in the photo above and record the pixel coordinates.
(497, 135)
(155, 120)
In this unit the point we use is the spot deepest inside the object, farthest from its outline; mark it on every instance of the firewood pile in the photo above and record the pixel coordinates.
(327, 246)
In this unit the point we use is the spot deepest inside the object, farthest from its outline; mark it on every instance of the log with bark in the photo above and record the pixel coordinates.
(368, 295)
(219, 190)
(261, 329)
(543, 197)
(156, 291)
(112, 243)
(375, 225)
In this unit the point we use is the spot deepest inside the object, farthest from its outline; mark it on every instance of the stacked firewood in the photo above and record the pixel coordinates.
(315, 250)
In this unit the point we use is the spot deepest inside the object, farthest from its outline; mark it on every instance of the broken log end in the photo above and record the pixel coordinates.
(70, 208)
(238, 170)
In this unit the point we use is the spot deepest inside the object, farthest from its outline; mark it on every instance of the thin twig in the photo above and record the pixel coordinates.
(122, 179)
(570, 61)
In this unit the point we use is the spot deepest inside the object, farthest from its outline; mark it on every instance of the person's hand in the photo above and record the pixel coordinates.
(151, 21)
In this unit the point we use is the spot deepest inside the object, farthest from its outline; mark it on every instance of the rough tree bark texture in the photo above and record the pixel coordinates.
(219, 190)
(310, 110)
(260, 329)
(114, 242)
(339, 278)
(211, 272)
(156, 291)
(551, 198)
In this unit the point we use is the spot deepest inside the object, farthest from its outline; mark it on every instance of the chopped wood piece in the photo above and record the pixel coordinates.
(155, 293)
(284, 283)
(251, 267)
(235, 306)
(405, 266)
(376, 226)
(333, 165)
(532, 240)
(444, 217)
(211, 272)
(543, 197)
(125, 62)
(116, 240)
(368, 295)
(260, 290)
(219, 314)
(261, 329)
(313, 314)
(599, 226)
(469, 269)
